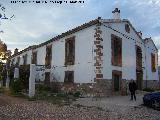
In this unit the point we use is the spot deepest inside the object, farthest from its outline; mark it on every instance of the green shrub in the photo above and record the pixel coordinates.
(55, 87)
(40, 88)
(1, 90)
(77, 94)
(62, 94)
(148, 90)
(16, 86)
(42, 95)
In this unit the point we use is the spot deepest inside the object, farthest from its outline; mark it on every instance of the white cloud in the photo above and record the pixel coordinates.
(34, 24)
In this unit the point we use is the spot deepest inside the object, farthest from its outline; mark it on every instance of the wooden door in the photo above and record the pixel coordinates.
(139, 80)
(116, 77)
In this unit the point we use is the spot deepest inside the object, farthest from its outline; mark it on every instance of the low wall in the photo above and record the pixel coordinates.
(103, 87)
(153, 84)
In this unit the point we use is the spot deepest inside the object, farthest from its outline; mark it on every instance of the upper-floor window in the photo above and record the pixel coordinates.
(25, 59)
(48, 57)
(70, 51)
(153, 62)
(18, 60)
(127, 28)
(12, 62)
(138, 58)
(34, 57)
(116, 45)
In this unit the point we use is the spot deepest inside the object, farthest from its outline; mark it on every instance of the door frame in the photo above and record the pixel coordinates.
(116, 72)
(139, 80)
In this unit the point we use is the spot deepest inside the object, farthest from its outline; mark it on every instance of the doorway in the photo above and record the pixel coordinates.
(139, 80)
(116, 77)
(139, 70)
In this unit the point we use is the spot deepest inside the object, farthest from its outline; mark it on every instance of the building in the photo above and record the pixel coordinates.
(103, 54)
(159, 72)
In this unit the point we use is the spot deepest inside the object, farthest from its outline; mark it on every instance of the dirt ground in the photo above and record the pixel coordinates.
(112, 108)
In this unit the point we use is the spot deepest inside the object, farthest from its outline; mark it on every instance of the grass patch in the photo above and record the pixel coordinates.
(148, 90)
(2, 90)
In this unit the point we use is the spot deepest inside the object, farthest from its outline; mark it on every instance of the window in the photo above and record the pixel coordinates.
(18, 60)
(34, 58)
(69, 77)
(138, 58)
(116, 45)
(70, 51)
(25, 59)
(127, 28)
(153, 62)
(48, 56)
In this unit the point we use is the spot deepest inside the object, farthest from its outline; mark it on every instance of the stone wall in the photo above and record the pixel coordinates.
(104, 87)
(153, 84)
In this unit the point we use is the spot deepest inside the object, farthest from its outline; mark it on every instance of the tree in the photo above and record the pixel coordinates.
(4, 53)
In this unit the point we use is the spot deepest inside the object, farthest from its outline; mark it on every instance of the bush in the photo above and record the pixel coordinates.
(42, 95)
(40, 88)
(148, 90)
(1, 90)
(16, 86)
(62, 94)
(77, 94)
(55, 87)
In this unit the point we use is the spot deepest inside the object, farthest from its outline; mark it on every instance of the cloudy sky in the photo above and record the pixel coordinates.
(35, 23)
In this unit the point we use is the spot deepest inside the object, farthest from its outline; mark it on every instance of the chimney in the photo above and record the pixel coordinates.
(16, 51)
(116, 13)
(140, 34)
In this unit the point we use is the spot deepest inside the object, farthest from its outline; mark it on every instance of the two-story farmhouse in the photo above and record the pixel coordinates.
(103, 53)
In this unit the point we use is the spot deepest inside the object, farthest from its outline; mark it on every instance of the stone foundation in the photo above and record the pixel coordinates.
(99, 88)
(153, 84)
(103, 87)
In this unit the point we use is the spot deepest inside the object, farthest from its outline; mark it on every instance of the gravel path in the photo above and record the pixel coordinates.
(12, 108)
(121, 108)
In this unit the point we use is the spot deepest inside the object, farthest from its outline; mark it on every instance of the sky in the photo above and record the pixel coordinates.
(35, 23)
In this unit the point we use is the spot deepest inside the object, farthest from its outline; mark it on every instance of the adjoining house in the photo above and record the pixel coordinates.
(103, 54)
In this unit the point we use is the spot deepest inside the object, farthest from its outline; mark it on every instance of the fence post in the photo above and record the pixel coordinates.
(32, 80)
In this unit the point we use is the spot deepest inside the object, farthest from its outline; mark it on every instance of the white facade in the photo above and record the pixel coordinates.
(84, 69)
